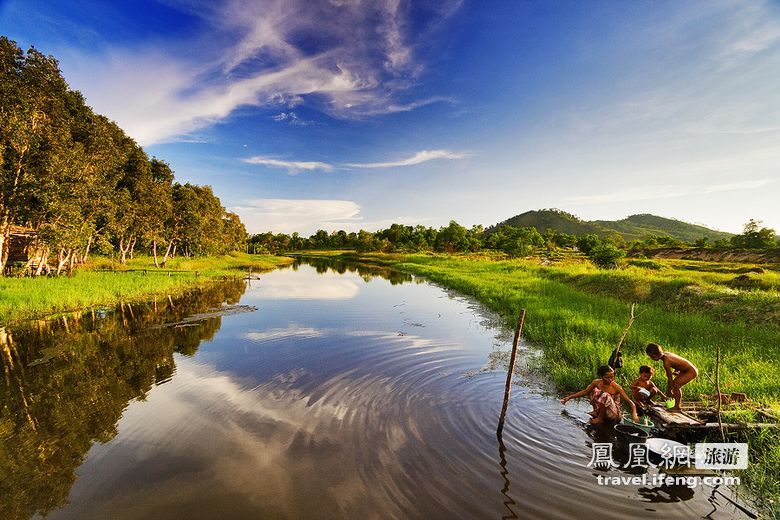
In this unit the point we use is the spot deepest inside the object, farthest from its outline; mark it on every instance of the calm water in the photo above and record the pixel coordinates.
(345, 394)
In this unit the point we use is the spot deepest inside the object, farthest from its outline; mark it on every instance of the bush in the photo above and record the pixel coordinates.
(647, 264)
(606, 255)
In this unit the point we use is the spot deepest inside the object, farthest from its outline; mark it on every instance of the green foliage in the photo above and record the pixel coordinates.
(646, 264)
(635, 227)
(754, 237)
(588, 243)
(76, 180)
(606, 255)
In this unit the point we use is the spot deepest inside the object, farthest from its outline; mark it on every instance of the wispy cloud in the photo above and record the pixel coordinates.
(665, 192)
(734, 186)
(292, 167)
(347, 59)
(418, 158)
(291, 118)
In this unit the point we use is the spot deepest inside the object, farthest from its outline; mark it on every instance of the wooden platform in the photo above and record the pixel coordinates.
(667, 419)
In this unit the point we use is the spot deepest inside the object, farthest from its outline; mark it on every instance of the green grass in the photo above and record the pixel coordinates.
(30, 298)
(576, 314)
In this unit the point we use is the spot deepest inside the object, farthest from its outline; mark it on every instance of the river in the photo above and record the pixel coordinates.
(326, 391)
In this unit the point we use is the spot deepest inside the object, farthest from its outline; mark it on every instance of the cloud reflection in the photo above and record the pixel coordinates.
(305, 285)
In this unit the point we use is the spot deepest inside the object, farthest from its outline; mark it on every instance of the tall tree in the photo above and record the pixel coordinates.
(32, 107)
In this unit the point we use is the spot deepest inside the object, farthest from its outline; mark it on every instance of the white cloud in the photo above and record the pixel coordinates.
(291, 331)
(419, 157)
(744, 185)
(308, 215)
(291, 118)
(665, 192)
(303, 285)
(291, 166)
(294, 167)
(249, 53)
(289, 215)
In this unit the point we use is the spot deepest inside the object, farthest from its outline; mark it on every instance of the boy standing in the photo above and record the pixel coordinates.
(679, 371)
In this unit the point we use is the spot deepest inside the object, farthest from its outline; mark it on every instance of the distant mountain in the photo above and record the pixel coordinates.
(638, 226)
(633, 227)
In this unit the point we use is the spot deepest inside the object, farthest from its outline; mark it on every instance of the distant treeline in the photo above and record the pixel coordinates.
(513, 241)
(73, 182)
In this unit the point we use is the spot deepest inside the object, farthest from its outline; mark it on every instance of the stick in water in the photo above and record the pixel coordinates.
(511, 371)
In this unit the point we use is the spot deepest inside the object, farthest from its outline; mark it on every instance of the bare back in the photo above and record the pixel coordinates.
(678, 363)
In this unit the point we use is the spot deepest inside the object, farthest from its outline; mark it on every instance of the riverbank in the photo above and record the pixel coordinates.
(577, 313)
(106, 282)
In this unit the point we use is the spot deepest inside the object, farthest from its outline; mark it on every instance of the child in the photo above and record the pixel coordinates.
(643, 389)
(605, 397)
(679, 371)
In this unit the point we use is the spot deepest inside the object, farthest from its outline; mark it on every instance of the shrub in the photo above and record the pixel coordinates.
(606, 255)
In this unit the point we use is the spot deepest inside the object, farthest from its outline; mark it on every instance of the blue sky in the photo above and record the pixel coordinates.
(349, 114)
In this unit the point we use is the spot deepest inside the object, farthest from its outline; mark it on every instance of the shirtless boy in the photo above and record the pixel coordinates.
(643, 389)
(679, 371)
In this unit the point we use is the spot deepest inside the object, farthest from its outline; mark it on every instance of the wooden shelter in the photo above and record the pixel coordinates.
(21, 244)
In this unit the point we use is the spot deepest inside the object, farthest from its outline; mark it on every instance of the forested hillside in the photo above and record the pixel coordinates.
(630, 228)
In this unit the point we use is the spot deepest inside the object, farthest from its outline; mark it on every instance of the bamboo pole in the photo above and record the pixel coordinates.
(510, 372)
(720, 396)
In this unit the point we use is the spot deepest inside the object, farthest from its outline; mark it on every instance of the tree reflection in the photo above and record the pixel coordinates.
(366, 271)
(67, 381)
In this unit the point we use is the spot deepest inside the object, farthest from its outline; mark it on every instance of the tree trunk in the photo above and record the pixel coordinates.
(154, 253)
(72, 261)
(43, 261)
(62, 259)
(132, 248)
(126, 246)
(168, 252)
(174, 250)
(86, 251)
(5, 234)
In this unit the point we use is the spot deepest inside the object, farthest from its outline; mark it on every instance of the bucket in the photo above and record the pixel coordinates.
(631, 434)
(645, 424)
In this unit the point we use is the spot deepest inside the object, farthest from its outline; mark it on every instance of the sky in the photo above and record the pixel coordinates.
(356, 114)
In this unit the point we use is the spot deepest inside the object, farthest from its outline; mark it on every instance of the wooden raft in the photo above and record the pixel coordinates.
(682, 421)
(667, 419)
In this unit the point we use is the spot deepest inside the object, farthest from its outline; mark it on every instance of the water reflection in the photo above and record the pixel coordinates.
(67, 381)
(337, 398)
(307, 285)
(365, 271)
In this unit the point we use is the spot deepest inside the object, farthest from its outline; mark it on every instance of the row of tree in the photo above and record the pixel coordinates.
(514, 241)
(76, 182)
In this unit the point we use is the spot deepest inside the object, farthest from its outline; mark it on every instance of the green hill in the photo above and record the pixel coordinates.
(558, 220)
(638, 226)
(631, 228)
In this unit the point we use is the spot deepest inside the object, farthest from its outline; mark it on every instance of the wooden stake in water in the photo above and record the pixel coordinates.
(720, 396)
(511, 371)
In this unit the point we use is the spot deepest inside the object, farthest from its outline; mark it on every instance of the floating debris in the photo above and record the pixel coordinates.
(191, 321)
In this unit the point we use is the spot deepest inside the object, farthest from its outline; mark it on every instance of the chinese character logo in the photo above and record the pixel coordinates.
(602, 456)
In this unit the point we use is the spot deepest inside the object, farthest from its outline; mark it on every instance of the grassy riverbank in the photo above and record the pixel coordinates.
(577, 313)
(106, 282)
